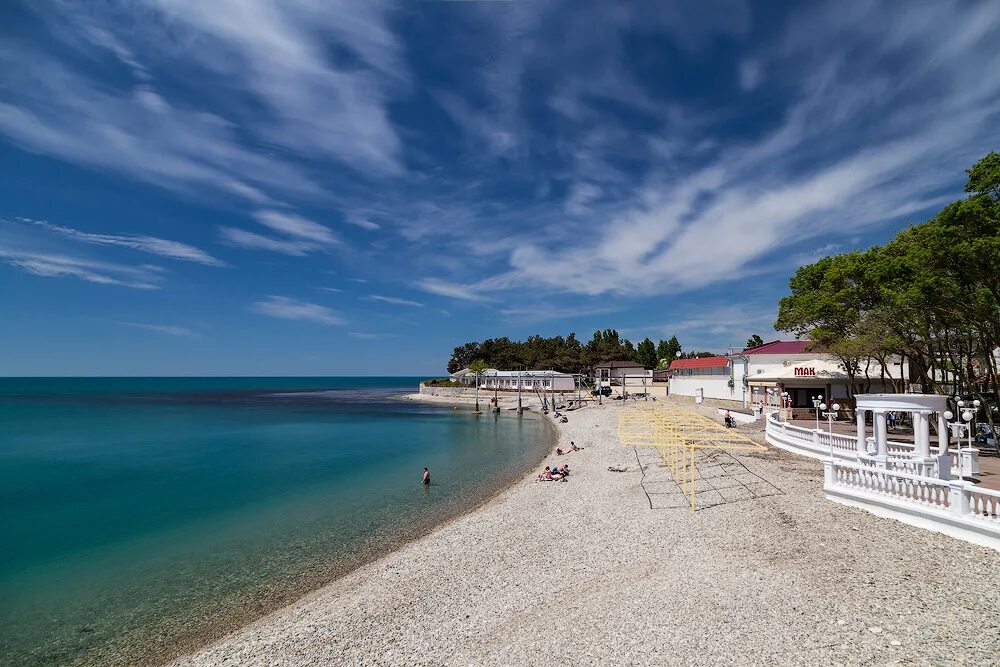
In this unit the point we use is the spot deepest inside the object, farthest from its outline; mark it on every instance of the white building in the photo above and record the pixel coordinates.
(771, 374)
(707, 377)
(491, 379)
(631, 376)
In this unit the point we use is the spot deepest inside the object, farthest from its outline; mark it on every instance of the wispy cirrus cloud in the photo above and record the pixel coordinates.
(168, 329)
(871, 127)
(394, 300)
(148, 244)
(296, 226)
(304, 101)
(299, 235)
(286, 308)
(52, 265)
(254, 241)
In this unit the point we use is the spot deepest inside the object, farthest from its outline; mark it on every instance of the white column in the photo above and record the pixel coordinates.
(862, 439)
(922, 435)
(942, 434)
(881, 433)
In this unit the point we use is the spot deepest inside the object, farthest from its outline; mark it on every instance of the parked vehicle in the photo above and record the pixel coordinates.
(601, 391)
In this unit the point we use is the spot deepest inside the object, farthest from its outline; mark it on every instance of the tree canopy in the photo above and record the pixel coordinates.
(754, 341)
(930, 295)
(566, 354)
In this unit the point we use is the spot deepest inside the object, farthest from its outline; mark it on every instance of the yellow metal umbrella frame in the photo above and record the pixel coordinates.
(678, 434)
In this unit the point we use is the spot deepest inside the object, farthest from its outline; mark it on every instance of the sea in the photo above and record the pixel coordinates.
(141, 518)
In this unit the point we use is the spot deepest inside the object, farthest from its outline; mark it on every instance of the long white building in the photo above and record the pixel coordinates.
(492, 378)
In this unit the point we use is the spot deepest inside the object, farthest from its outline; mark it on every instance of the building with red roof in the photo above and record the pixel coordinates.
(780, 373)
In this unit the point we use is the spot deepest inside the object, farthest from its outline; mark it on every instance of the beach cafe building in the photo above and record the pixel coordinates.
(772, 375)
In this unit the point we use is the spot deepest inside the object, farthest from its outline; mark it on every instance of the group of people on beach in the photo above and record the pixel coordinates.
(558, 473)
(554, 474)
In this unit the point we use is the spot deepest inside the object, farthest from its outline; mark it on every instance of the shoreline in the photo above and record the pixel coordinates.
(607, 566)
(379, 546)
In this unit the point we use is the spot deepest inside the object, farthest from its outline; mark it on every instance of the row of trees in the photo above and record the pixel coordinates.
(931, 295)
(566, 354)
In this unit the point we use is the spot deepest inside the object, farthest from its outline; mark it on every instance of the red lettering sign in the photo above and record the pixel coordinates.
(805, 371)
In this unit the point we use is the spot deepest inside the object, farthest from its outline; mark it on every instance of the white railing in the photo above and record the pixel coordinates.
(809, 442)
(902, 485)
(984, 505)
(952, 507)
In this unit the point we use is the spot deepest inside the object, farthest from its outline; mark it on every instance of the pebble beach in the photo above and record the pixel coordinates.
(606, 569)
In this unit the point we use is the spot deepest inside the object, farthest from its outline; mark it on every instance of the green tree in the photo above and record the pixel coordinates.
(984, 176)
(754, 341)
(646, 353)
(667, 351)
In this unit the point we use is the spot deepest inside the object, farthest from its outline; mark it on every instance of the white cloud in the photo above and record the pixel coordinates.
(394, 300)
(856, 147)
(296, 226)
(361, 221)
(275, 60)
(161, 328)
(254, 241)
(454, 290)
(52, 265)
(149, 244)
(291, 309)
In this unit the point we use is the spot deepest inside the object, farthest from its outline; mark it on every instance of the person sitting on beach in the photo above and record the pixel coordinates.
(564, 471)
(544, 476)
(573, 447)
(729, 420)
(559, 452)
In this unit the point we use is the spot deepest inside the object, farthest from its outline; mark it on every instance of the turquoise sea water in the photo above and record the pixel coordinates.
(142, 517)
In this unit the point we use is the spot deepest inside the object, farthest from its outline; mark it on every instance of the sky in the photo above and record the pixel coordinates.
(278, 187)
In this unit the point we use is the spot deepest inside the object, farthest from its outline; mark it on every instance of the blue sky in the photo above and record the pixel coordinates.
(277, 187)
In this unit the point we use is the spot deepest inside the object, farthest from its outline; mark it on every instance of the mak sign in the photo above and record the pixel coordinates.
(808, 372)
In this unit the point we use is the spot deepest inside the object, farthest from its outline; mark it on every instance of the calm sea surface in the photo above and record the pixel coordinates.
(140, 517)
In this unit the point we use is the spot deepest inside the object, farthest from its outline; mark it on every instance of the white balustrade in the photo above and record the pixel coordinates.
(952, 507)
(900, 485)
(809, 442)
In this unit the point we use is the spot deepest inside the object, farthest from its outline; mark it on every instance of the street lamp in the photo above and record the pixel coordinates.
(968, 413)
(830, 414)
(819, 405)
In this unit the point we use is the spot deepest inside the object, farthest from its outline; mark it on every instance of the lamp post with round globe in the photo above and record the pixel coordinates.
(962, 426)
(818, 405)
(830, 415)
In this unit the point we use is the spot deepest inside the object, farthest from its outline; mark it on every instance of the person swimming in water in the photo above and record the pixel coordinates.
(427, 476)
